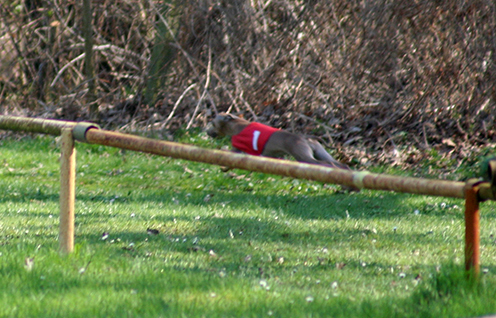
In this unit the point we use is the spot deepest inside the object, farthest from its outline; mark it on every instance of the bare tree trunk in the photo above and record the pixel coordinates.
(162, 53)
(89, 70)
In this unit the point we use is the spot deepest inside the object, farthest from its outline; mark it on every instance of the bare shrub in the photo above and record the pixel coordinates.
(375, 73)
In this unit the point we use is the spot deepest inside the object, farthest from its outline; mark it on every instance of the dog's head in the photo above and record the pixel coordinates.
(224, 125)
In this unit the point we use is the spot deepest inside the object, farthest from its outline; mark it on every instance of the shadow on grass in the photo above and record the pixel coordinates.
(372, 204)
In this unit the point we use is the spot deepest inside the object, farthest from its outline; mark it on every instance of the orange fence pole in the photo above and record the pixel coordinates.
(359, 179)
(35, 125)
(472, 228)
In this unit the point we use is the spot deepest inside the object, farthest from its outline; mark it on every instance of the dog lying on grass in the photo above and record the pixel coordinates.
(262, 140)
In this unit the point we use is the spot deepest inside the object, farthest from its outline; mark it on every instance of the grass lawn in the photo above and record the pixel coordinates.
(157, 237)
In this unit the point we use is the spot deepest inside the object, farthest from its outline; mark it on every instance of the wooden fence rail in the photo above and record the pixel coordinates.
(474, 191)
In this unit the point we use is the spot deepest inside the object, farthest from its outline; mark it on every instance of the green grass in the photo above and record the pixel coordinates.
(234, 244)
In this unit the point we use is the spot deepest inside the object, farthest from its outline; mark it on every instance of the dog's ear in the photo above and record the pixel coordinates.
(228, 117)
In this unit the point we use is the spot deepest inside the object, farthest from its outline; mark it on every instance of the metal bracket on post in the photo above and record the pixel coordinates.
(79, 131)
(67, 191)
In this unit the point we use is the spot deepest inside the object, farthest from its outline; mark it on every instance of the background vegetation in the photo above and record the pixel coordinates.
(388, 80)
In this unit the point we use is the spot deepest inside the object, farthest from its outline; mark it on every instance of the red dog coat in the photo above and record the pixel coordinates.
(253, 138)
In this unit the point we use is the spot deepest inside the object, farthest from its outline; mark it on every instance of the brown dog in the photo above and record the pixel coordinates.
(259, 139)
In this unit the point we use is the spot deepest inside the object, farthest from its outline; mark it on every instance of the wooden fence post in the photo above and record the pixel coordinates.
(472, 228)
(67, 191)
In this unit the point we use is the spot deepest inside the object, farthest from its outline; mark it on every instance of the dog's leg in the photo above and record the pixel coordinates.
(321, 154)
(313, 152)
(305, 151)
